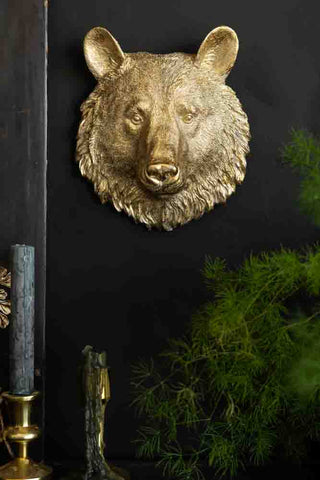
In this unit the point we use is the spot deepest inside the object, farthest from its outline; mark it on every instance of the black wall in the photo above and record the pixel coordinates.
(112, 283)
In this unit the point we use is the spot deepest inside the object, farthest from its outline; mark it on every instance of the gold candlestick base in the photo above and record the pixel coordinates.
(21, 432)
(24, 468)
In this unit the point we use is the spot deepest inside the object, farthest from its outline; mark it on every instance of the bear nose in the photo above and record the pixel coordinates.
(162, 171)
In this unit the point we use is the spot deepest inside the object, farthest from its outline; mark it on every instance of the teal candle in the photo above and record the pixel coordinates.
(22, 320)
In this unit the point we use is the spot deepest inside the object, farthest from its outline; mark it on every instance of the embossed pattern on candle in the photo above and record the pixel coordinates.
(22, 320)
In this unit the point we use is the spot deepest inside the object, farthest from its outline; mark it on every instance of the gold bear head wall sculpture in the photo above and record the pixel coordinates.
(162, 136)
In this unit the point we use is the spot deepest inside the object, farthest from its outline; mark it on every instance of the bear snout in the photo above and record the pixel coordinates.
(161, 178)
(162, 172)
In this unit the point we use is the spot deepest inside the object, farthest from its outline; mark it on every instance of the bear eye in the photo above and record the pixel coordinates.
(136, 119)
(188, 117)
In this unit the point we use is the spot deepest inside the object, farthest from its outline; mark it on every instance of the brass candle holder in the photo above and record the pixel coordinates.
(21, 431)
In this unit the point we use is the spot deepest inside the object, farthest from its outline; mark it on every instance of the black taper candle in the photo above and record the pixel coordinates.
(22, 320)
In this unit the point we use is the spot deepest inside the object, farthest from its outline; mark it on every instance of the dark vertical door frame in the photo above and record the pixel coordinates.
(23, 154)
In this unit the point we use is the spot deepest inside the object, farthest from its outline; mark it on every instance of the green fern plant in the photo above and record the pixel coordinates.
(244, 382)
(303, 153)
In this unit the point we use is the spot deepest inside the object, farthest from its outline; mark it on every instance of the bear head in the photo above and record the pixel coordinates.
(162, 137)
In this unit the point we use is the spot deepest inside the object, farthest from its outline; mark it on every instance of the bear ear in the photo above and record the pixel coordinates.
(219, 50)
(102, 52)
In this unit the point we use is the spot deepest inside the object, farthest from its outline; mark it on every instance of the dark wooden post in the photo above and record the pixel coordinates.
(23, 165)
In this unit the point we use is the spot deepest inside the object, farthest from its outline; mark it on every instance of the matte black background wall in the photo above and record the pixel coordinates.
(112, 283)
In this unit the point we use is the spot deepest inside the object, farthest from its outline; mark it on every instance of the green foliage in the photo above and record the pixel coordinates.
(244, 383)
(303, 153)
(246, 378)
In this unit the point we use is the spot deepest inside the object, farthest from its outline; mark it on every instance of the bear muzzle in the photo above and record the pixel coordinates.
(162, 177)
(162, 172)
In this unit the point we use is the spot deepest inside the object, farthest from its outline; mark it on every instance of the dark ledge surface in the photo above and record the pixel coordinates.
(140, 470)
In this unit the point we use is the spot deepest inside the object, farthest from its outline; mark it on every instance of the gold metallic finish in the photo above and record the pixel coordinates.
(162, 137)
(5, 306)
(21, 432)
(105, 397)
(24, 468)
